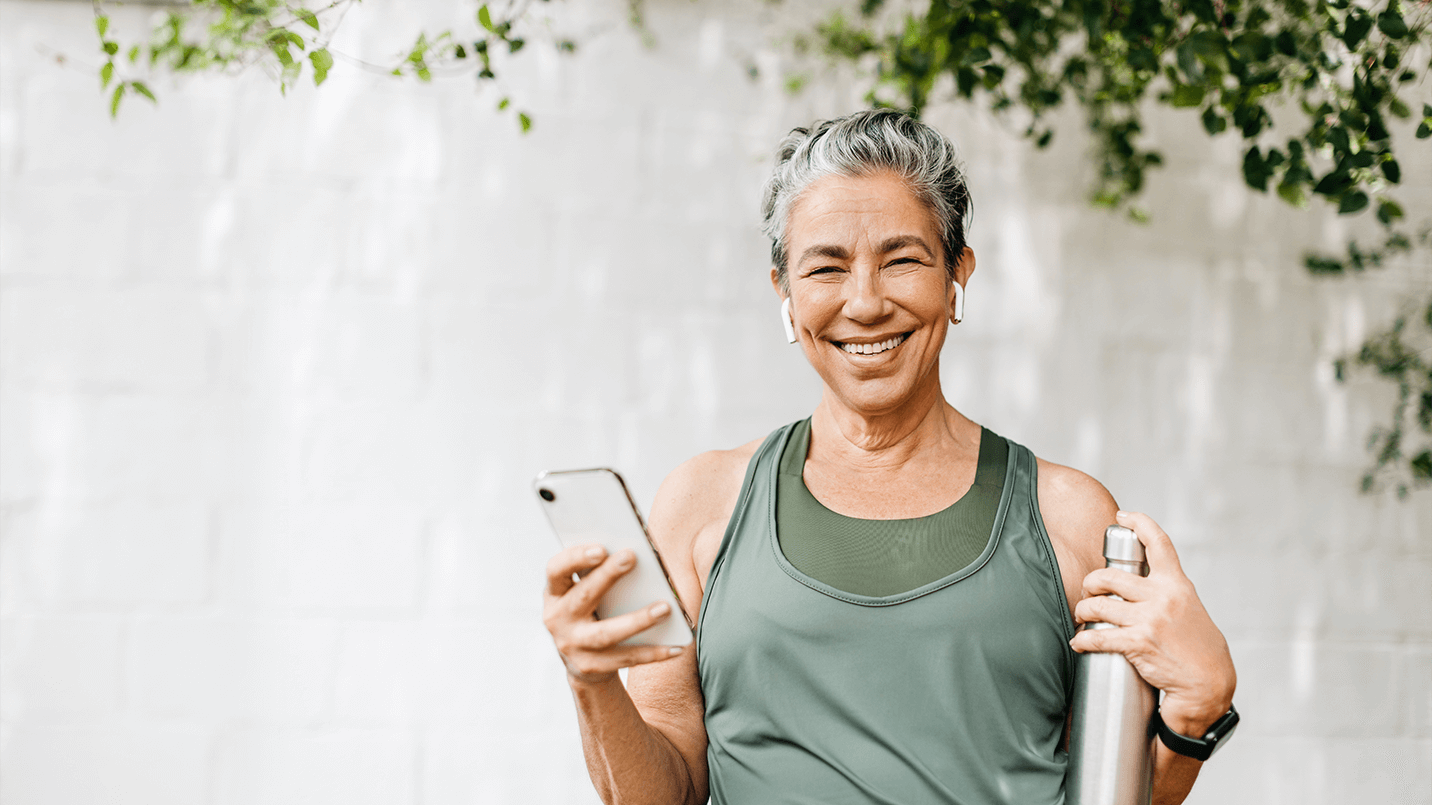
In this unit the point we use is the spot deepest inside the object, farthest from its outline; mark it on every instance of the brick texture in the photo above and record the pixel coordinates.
(275, 374)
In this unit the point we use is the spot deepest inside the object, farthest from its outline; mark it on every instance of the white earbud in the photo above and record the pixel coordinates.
(786, 321)
(959, 302)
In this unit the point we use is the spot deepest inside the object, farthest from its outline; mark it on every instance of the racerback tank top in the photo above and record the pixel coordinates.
(953, 692)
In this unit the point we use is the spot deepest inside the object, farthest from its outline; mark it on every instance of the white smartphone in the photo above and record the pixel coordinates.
(594, 506)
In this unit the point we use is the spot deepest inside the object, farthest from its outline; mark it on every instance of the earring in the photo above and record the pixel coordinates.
(959, 313)
(787, 322)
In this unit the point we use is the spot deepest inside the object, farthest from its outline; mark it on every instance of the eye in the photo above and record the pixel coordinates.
(906, 261)
(822, 270)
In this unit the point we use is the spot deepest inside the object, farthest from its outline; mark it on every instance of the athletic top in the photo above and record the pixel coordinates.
(884, 557)
(952, 692)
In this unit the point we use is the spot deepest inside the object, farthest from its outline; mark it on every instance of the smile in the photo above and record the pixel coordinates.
(874, 349)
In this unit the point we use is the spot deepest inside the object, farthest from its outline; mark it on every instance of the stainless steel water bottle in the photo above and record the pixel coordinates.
(1110, 738)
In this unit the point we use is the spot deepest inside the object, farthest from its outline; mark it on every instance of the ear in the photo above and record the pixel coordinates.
(776, 282)
(965, 266)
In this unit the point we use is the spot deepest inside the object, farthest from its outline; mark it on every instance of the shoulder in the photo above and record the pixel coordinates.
(1076, 509)
(701, 486)
(689, 515)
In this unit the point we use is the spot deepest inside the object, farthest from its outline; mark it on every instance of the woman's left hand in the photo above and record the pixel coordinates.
(1164, 631)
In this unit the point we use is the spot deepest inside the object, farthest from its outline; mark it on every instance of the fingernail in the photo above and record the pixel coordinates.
(626, 559)
(596, 553)
(1121, 514)
(658, 609)
(672, 651)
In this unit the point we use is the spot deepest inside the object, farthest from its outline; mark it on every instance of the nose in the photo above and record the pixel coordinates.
(865, 300)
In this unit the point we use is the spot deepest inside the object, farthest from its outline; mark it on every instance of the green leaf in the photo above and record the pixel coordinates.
(308, 18)
(116, 98)
(1353, 202)
(1424, 131)
(1186, 95)
(134, 54)
(1392, 171)
(1391, 23)
(143, 89)
(524, 121)
(1358, 24)
(503, 104)
(322, 61)
(1292, 194)
(111, 48)
(1257, 170)
(1421, 466)
(1388, 211)
(106, 74)
(484, 18)
(1333, 183)
(1213, 123)
(101, 24)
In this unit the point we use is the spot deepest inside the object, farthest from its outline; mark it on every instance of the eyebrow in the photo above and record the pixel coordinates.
(889, 245)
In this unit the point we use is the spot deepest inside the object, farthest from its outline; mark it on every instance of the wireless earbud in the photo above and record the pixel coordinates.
(787, 322)
(959, 302)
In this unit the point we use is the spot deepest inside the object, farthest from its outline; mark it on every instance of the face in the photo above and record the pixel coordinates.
(870, 295)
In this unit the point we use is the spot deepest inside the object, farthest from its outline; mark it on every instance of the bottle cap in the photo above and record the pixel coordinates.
(1122, 545)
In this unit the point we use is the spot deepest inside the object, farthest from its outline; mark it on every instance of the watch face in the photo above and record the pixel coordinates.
(1222, 730)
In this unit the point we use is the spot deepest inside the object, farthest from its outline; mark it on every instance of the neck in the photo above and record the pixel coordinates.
(874, 440)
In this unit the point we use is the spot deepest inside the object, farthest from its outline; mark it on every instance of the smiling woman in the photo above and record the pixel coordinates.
(886, 593)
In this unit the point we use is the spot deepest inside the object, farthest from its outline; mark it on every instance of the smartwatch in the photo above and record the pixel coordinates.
(1198, 748)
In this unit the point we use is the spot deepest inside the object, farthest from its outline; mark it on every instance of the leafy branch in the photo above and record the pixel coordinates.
(289, 40)
(1341, 65)
(1403, 356)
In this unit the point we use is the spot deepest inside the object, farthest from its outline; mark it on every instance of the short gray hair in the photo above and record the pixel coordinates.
(862, 144)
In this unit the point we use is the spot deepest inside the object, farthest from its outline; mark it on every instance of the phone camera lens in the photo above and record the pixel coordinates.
(547, 494)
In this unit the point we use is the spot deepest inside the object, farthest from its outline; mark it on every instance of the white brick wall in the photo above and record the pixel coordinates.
(274, 374)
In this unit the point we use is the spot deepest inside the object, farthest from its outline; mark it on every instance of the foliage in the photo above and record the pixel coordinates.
(1401, 355)
(1341, 66)
(287, 39)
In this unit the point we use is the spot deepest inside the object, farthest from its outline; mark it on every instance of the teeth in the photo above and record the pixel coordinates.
(873, 349)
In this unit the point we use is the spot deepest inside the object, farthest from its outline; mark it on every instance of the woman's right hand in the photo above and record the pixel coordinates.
(590, 647)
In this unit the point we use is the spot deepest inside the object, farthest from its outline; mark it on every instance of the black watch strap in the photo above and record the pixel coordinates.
(1197, 748)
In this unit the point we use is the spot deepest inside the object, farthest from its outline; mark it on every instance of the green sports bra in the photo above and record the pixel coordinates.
(884, 557)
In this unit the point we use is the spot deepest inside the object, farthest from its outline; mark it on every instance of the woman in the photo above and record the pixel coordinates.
(886, 594)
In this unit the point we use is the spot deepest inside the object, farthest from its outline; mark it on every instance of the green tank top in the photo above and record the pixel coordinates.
(952, 692)
(884, 557)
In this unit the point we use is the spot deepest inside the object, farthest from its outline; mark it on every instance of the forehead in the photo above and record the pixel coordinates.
(847, 207)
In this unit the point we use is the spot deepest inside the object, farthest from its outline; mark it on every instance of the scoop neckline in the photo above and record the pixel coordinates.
(996, 530)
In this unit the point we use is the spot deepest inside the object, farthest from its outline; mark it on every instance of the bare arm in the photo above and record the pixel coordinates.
(645, 742)
(1165, 631)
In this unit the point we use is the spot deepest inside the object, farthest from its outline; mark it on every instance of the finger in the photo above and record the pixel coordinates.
(1111, 581)
(1106, 609)
(1157, 545)
(1122, 640)
(568, 561)
(581, 601)
(607, 662)
(608, 632)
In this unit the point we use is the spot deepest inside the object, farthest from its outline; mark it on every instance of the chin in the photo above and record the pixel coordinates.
(875, 396)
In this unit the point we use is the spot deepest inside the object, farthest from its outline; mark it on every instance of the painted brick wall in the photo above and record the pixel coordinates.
(274, 374)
